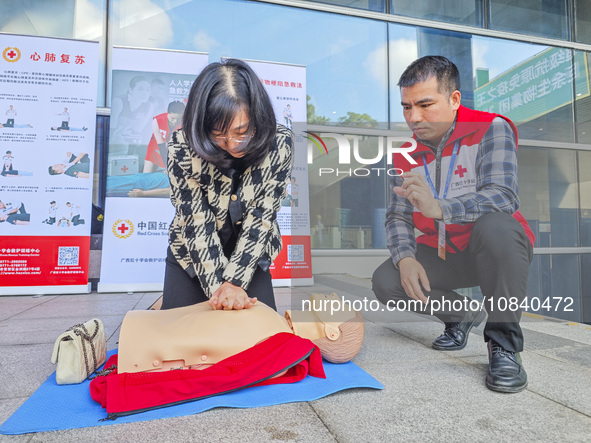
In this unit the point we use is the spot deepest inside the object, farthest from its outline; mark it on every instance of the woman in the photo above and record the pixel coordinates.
(132, 113)
(228, 169)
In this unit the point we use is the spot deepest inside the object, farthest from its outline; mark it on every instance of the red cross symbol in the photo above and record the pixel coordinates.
(122, 228)
(460, 171)
(11, 54)
(124, 169)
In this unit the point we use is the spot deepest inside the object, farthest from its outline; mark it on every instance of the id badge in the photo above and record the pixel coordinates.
(441, 241)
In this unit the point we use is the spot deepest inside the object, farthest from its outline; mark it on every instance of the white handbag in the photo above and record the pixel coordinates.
(79, 351)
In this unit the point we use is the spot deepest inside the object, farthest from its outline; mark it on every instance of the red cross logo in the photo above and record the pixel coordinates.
(11, 55)
(124, 169)
(460, 171)
(123, 228)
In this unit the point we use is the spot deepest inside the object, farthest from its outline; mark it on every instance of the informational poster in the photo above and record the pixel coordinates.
(48, 90)
(286, 86)
(149, 94)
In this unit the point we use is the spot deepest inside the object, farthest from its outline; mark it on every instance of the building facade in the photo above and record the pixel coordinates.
(527, 59)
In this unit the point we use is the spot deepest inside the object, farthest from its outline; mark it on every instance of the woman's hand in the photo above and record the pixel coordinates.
(229, 296)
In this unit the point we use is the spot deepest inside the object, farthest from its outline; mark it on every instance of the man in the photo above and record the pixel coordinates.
(163, 125)
(14, 212)
(10, 115)
(75, 214)
(293, 190)
(65, 119)
(462, 196)
(52, 213)
(74, 165)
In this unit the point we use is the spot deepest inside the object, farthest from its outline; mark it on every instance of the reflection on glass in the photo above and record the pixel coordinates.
(530, 84)
(586, 288)
(548, 192)
(465, 12)
(554, 287)
(583, 102)
(347, 196)
(78, 19)
(534, 17)
(345, 57)
(585, 189)
(582, 21)
(372, 5)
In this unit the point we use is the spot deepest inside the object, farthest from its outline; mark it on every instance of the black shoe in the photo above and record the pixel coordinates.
(505, 370)
(455, 337)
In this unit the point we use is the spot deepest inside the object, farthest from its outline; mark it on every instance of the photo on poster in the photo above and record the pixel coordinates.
(13, 164)
(68, 121)
(13, 118)
(147, 107)
(71, 164)
(64, 214)
(13, 211)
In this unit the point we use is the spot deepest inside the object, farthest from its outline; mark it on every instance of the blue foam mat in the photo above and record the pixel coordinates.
(53, 407)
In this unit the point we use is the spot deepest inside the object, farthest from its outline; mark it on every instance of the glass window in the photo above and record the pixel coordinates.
(585, 189)
(554, 286)
(78, 19)
(582, 21)
(465, 12)
(530, 84)
(583, 94)
(546, 18)
(372, 5)
(548, 191)
(345, 57)
(348, 200)
(586, 264)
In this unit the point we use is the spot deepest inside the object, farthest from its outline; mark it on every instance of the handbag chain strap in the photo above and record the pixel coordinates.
(81, 331)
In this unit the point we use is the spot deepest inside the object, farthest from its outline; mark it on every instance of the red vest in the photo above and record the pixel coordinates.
(282, 358)
(470, 127)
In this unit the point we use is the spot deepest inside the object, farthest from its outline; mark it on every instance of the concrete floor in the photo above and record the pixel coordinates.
(428, 395)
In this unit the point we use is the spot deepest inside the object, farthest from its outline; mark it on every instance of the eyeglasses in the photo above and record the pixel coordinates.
(239, 139)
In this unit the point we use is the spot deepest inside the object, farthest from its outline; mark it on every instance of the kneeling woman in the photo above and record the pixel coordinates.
(228, 166)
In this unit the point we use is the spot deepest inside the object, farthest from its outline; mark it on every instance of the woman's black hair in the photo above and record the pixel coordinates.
(218, 94)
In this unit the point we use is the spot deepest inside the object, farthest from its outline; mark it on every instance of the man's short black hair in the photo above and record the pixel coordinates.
(422, 69)
(218, 94)
(176, 107)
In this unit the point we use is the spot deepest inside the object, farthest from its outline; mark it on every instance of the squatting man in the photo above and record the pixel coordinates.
(461, 194)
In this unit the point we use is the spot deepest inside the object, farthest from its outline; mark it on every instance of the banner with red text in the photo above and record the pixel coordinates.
(48, 90)
(149, 92)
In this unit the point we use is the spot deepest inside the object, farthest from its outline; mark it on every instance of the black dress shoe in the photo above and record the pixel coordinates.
(455, 337)
(505, 370)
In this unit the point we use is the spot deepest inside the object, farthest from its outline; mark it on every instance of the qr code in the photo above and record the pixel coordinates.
(68, 256)
(295, 253)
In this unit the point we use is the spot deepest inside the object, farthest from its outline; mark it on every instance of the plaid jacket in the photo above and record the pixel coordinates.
(201, 195)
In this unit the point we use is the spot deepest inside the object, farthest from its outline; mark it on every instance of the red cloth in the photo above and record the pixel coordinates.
(126, 393)
(470, 127)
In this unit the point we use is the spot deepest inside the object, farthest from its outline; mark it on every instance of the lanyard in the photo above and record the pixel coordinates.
(452, 163)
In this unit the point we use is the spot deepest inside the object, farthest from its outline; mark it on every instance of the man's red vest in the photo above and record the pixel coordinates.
(470, 127)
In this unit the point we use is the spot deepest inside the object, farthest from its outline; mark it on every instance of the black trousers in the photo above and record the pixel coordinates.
(497, 259)
(182, 290)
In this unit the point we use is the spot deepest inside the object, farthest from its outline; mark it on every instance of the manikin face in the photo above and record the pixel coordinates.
(238, 130)
(428, 112)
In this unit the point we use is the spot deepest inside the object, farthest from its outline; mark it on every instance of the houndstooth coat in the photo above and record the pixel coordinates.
(201, 195)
